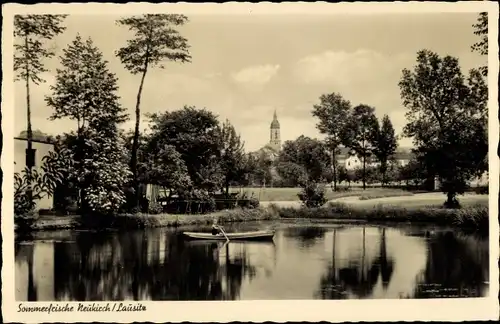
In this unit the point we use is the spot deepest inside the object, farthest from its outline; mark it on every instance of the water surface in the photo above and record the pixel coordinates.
(306, 261)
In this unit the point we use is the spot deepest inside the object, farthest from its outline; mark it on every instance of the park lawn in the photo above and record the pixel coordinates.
(290, 194)
(431, 201)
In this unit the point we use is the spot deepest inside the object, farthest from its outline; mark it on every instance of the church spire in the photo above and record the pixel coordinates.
(275, 140)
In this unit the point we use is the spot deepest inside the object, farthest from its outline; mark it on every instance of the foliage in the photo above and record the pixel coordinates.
(259, 166)
(306, 153)
(195, 135)
(32, 31)
(293, 174)
(155, 209)
(232, 161)
(332, 113)
(481, 30)
(447, 119)
(345, 175)
(163, 166)
(413, 173)
(385, 145)
(85, 91)
(361, 131)
(42, 184)
(155, 40)
(312, 195)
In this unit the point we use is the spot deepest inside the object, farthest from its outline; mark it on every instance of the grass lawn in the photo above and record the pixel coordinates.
(432, 200)
(290, 194)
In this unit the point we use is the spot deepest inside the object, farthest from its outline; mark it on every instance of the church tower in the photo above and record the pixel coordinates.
(275, 140)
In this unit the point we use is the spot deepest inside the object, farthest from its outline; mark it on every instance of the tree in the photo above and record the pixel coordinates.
(195, 134)
(232, 155)
(481, 30)
(311, 154)
(361, 134)
(155, 41)
(447, 118)
(332, 112)
(385, 145)
(293, 174)
(32, 32)
(164, 166)
(85, 92)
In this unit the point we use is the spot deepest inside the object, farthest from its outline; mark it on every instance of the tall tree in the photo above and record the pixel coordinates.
(85, 92)
(155, 41)
(481, 30)
(361, 134)
(232, 155)
(32, 32)
(332, 112)
(385, 145)
(447, 118)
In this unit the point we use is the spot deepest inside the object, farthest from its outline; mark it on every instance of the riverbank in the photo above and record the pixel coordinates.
(471, 217)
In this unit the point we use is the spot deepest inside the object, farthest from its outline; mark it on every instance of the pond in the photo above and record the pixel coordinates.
(305, 261)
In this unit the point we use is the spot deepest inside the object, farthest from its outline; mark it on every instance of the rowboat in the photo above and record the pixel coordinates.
(242, 236)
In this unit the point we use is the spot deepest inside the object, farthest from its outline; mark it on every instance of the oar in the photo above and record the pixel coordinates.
(222, 230)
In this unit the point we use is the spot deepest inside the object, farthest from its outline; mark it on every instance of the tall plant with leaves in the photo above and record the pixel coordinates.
(85, 92)
(332, 112)
(481, 30)
(232, 155)
(32, 33)
(155, 41)
(362, 133)
(385, 144)
(447, 118)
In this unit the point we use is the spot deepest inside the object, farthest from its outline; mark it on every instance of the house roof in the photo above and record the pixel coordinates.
(36, 140)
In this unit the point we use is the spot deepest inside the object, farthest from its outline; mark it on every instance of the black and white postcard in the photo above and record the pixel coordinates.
(250, 162)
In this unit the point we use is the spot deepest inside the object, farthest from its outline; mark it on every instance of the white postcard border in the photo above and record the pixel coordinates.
(258, 311)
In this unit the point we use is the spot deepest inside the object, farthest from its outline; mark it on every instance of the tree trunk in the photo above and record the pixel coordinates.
(451, 201)
(29, 130)
(364, 173)
(135, 143)
(334, 169)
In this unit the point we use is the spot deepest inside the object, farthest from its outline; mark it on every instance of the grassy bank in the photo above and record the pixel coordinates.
(472, 218)
(290, 194)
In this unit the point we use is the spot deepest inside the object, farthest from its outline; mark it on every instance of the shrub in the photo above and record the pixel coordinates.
(482, 190)
(155, 208)
(312, 195)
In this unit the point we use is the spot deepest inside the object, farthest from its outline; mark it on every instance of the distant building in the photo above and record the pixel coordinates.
(351, 161)
(41, 147)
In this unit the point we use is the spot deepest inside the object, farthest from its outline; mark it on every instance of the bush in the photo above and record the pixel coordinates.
(312, 195)
(24, 222)
(482, 190)
(155, 208)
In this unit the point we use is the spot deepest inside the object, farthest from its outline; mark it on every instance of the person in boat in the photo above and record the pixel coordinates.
(216, 229)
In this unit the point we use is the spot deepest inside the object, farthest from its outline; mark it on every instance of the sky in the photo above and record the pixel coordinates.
(244, 67)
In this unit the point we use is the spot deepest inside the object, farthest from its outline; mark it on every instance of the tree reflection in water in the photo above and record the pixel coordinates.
(146, 265)
(457, 266)
(308, 236)
(360, 277)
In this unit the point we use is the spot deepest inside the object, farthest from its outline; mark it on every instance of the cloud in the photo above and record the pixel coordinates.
(256, 75)
(343, 68)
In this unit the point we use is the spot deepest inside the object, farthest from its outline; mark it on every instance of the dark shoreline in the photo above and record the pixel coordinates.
(469, 219)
